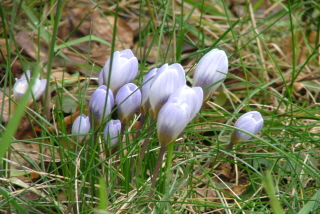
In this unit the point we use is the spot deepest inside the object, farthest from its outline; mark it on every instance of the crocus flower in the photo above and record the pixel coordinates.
(251, 122)
(192, 96)
(177, 112)
(145, 88)
(81, 127)
(124, 70)
(112, 131)
(22, 84)
(128, 100)
(101, 102)
(167, 80)
(210, 71)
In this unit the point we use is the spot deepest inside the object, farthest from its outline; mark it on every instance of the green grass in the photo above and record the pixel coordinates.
(274, 69)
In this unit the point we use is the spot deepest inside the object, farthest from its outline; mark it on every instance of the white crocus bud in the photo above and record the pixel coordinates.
(22, 84)
(81, 127)
(128, 100)
(112, 131)
(101, 103)
(211, 71)
(167, 80)
(124, 70)
(177, 112)
(251, 122)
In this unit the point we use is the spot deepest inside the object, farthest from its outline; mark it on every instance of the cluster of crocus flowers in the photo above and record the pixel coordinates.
(115, 89)
(21, 86)
(163, 95)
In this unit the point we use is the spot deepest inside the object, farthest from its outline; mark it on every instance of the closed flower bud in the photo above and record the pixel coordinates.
(192, 96)
(167, 80)
(101, 103)
(145, 88)
(81, 127)
(22, 84)
(251, 122)
(210, 72)
(124, 70)
(128, 100)
(112, 131)
(177, 112)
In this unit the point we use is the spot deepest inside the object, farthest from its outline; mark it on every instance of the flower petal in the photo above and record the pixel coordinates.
(111, 132)
(81, 126)
(128, 100)
(210, 71)
(251, 122)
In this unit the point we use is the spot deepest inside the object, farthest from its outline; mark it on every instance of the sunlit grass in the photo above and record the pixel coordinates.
(273, 54)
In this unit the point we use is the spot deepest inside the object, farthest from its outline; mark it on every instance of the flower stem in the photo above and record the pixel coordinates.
(144, 148)
(156, 170)
(141, 122)
(169, 164)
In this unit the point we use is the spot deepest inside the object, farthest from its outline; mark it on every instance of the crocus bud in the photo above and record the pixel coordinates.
(145, 88)
(177, 112)
(81, 127)
(124, 70)
(112, 131)
(251, 122)
(101, 103)
(210, 72)
(192, 96)
(128, 100)
(22, 84)
(167, 80)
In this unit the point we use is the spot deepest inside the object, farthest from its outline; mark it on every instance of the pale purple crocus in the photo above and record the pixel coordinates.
(124, 70)
(181, 107)
(128, 100)
(145, 88)
(111, 132)
(81, 127)
(192, 96)
(210, 72)
(251, 122)
(21, 86)
(101, 103)
(167, 80)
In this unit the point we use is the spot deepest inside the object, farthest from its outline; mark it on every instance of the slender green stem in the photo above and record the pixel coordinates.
(156, 170)
(141, 122)
(144, 148)
(169, 163)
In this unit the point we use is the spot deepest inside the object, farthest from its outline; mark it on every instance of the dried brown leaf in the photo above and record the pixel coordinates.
(89, 21)
(29, 46)
(4, 105)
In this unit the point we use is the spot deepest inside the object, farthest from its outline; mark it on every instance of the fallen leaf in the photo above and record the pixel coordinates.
(28, 45)
(4, 105)
(89, 21)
